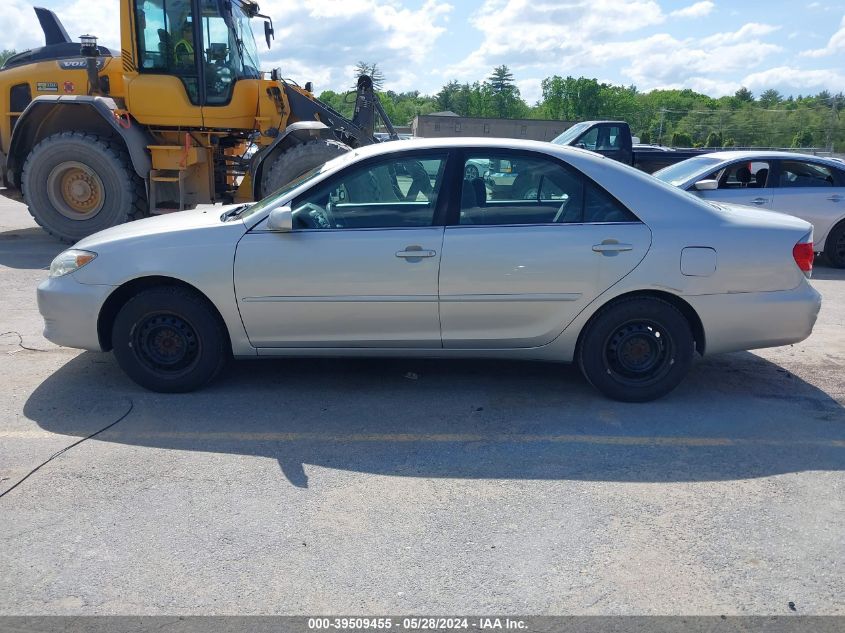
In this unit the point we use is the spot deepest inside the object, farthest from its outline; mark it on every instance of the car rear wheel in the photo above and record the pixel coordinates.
(834, 248)
(637, 349)
(169, 339)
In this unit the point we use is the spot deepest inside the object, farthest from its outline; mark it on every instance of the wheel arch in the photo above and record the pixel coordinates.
(294, 134)
(48, 115)
(677, 302)
(123, 293)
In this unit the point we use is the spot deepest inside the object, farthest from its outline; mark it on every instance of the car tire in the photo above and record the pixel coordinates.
(834, 247)
(636, 349)
(170, 339)
(471, 172)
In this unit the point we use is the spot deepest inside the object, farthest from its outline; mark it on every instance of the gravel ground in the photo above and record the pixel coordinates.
(406, 486)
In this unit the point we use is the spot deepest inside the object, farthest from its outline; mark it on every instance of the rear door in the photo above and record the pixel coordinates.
(812, 191)
(518, 265)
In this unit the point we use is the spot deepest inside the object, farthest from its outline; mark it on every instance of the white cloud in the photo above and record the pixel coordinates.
(788, 79)
(697, 10)
(523, 33)
(835, 45)
(531, 90)
(21, 30)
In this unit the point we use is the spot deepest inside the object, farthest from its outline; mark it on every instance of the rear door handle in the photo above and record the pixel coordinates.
(612, 247)
(835, 198)
(760, 201)
(415, 252)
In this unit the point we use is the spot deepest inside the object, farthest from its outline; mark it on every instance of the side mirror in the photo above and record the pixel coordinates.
(280, 220)
(707, 185)
(269, 32)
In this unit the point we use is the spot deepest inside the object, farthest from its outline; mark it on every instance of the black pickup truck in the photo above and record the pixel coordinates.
(613, 139)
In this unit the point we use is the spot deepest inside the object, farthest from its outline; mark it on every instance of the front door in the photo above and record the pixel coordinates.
(743, 182)
(518, 268)
(167, 87)
(360, 268)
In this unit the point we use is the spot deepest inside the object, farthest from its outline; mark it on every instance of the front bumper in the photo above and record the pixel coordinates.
(70, 310)
(751, 320)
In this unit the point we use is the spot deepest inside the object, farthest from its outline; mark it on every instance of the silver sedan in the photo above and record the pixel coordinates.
(808, 187)
(394, 250)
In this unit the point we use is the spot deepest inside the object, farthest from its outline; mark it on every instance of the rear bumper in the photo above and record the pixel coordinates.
(70, 310)
(752, 320)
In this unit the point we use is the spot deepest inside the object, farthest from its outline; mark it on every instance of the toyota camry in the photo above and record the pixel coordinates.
(398, 249)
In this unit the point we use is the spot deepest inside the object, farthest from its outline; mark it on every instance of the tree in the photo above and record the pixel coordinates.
(802, 138)
(770, 98)
(5, 54)
(714, 139)
(446, 99)
(645, 137)
(729, 142)
(363, 68)
(504, 95)
(744, 95)
(681, 139)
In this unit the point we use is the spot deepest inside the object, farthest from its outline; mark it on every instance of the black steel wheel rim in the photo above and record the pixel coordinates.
(639, 352)
(166, 343)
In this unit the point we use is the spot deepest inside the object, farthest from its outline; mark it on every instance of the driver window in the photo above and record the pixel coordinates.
(590, 139)
(400, 192)
(219, 57)
(744, 175)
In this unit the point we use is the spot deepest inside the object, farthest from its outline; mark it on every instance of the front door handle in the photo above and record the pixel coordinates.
(415, 252)
(835, 198)
(759, 201)
(609, 247)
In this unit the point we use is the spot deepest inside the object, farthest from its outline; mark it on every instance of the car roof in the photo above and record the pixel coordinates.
(469, 141)
(769, 154)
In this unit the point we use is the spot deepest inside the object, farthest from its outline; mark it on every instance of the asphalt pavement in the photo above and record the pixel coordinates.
(410, 486)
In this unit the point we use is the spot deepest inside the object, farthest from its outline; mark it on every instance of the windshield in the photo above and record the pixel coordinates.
(280, 195)
(571, 134)
(679, 173)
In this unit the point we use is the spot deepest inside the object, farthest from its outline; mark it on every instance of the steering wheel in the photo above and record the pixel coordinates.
(313, 216)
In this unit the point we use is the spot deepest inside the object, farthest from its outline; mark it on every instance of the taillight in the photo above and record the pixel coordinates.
(803, 254)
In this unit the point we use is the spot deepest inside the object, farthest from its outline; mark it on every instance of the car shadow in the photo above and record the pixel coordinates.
(28, 248)
(736, 416)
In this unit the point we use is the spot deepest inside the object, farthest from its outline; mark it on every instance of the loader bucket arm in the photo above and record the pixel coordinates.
(355, 133)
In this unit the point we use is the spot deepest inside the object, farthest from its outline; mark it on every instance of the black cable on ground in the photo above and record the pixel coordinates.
(20, 342)
(66, 449)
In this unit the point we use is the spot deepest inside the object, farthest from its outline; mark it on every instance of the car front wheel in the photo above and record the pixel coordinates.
(170, 340)
(637, 349)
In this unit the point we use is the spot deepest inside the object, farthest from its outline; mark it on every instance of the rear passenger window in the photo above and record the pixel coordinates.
(801, 174)
(518, 189)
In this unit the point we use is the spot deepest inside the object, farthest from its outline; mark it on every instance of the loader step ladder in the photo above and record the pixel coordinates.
(172, 165)
(159, 176)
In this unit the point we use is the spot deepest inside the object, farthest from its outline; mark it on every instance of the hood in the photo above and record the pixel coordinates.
(207, 217)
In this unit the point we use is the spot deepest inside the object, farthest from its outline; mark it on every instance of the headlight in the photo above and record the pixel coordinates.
(69, 261)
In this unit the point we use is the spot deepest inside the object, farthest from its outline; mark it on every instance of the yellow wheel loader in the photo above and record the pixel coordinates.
(181, 115)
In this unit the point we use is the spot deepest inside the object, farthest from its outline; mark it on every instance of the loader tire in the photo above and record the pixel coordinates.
(76, 184)
(295, 161)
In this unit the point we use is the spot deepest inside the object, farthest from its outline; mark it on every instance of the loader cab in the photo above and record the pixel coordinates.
(191, 55)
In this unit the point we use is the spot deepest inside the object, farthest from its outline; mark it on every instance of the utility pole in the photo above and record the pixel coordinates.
(660, 133)
(832, 126)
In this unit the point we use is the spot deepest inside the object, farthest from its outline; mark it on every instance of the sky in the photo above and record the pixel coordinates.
(711, 46)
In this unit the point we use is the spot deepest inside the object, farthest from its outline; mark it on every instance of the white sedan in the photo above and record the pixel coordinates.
(808, 187)
(369, 255)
